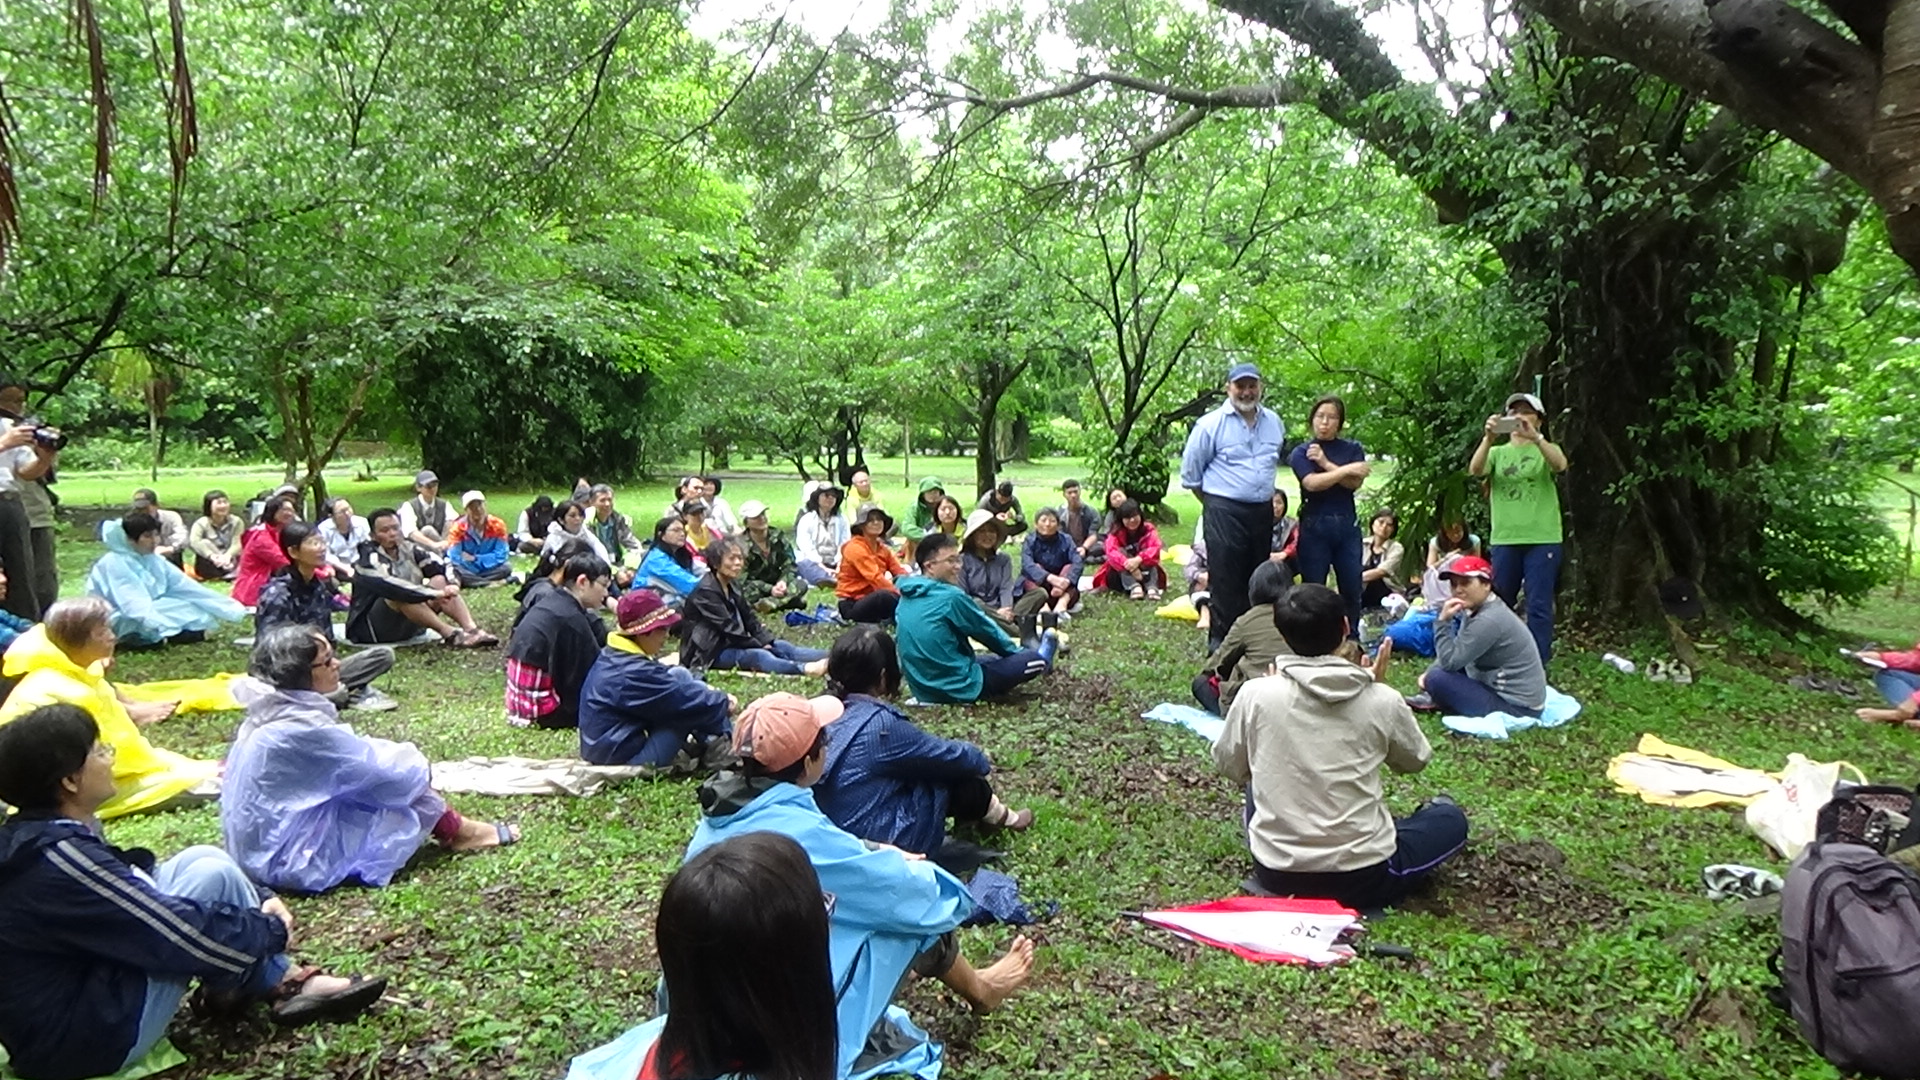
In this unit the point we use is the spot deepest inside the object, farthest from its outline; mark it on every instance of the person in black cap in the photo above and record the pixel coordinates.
(425, 518)
(1229, 465)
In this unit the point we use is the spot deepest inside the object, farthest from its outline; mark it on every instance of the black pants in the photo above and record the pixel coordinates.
(875, 607)
(969, 799)
(16, 557)
(1207, 692)
(46, 569)
(360, 669)
(1239, 535)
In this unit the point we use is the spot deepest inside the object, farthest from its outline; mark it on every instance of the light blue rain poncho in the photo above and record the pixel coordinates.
(887, 910)
(307, 803)
(152, 599)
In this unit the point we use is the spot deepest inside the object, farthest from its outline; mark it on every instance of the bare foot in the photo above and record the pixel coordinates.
(1005, 976)
(481, 835)
(150, 712)
(321, 985)
(1880, 716)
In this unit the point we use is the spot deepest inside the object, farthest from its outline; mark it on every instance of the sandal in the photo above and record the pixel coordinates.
(480, 639)
(304, 1008)
(1155, 594)
(1016, 820)
(1138, 593)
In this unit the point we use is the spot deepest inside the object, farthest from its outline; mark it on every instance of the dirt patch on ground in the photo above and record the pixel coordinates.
(1520, 891)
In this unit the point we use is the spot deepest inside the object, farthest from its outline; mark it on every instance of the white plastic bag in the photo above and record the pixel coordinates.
(1785, 816)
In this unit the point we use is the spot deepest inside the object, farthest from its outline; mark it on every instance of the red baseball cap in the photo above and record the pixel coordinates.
(1465, 566)
(642, 610)
(779, 729)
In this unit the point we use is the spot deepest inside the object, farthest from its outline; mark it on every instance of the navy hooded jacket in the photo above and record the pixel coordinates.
(81, 931)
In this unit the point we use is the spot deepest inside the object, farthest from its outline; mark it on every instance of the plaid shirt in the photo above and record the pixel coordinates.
(530, 693)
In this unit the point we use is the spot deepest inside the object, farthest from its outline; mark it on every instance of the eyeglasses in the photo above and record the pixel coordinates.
(104, 751)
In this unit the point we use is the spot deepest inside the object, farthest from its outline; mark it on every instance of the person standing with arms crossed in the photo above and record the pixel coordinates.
(1331, 469)
(1229, 464)
(1526, 535)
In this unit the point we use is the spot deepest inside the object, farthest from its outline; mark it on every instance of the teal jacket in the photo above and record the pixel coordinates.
(934, 622)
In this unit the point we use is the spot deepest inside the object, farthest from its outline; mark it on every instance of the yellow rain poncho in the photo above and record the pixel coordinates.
(144, 775)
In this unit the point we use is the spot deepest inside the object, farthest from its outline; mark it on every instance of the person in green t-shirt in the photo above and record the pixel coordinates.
(1525, 538)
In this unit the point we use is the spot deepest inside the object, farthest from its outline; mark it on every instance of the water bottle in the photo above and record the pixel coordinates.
(1620, 663)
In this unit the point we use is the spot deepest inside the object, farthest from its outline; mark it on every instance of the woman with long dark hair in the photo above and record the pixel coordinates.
(669, 567)
(743, 941)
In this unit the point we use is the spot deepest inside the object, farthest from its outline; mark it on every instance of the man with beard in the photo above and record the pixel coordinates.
(1229, 466)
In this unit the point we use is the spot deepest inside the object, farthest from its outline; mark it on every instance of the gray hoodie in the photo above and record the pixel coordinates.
(1309, 741)
(1494, 648)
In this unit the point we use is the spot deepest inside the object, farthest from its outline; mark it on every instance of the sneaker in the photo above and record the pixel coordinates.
(1657, 670)
(371, 700)
(1422, 702)
(1679, 672)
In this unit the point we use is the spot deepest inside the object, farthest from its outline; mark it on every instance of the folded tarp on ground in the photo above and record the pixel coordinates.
(1281, 930)
(1668, 775)
(1559, 709)
(1195, 719)
(530, 776)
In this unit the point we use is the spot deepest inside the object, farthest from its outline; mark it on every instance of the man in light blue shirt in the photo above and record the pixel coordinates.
(1229, 465)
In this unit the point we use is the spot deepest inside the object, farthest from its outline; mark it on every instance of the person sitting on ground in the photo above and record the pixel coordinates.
(1001, 503)
(892, 915)
(215, 538)
(1252, 643)
(554, 646)
(861, 493)
(720, 517)
(298, 594)
(1133, 556)
(691, 487)
(477, 545)
(1081, 522)
(425, 518)
(669, 567)
(11, 625)
(530, 531)
(635, 710)
(546, 575)
(1380, 556)
(926, 507)
(1453, 539)
(949, 517)
(723, 633)
(986, 572)
(693, 517)
(1485, 659)
(612, 529)
(98, 945)
(886, 780)
(570, 524)
(1898, 681)
(1286, 537)
(344, 531)
(64, 660)
(745, 967)
(938, 622)
(306, 802)
(1199, 579)
(1049, 571)
(1116, 498)
(402, 589)
(820, 535)
(1309, 743)
(260, 553)
(173, 530)
(772, 581)
(868, 571)
(154, 602)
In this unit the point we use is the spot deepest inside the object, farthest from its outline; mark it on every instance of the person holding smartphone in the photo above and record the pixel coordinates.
(1525, 540)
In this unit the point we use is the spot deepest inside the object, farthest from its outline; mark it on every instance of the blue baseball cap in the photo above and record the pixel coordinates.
(1243, 371)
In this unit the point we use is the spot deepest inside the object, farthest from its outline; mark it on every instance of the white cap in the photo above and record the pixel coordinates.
(752, 508)
(472, 497)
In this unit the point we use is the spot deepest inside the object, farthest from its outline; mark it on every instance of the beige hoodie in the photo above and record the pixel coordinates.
(1309, 741)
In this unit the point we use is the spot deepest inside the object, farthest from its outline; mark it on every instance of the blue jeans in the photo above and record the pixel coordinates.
(1534, 569)
(1896, 686)
(1426, 839)
(1459, 694)
(779, 658)
(1333, 543)
(666, 736)
(208, 875)
(815, 574)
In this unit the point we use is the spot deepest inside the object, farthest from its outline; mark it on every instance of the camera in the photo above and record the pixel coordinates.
(1506, 425)
(45, 436)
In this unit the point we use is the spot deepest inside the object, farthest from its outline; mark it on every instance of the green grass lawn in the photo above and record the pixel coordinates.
(1572, 939)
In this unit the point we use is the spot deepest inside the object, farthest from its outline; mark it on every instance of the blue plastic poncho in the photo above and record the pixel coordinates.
(308, 803)
(152, 599)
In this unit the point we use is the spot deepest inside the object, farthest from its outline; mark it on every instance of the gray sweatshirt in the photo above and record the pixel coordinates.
(1492, 646)
(989, 581)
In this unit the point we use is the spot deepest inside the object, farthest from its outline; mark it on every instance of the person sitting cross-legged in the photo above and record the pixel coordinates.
(635, 710)
(154, 601)
(1050, 566)
(530, 531)
(1485, 659)
(1252, 643)
(986, 572)
(99, 945)
(477, 545)
(308, 803)
(867, 583)
(723, 632)
(344, 531)
(1132, 563)
(298, 595)
(401, 588)
(215, 538)
(886, 780)
(64, 660)
(892, 915)
(1309, 742)
(173, 529)
(772, 581)
(938, 623)
(425, 518)
(819, 535)
(555, 645)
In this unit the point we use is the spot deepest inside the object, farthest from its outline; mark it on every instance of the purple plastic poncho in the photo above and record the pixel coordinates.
(308, 804)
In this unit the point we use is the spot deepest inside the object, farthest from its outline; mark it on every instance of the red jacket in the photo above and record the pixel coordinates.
(1145, 543)
(260, 556)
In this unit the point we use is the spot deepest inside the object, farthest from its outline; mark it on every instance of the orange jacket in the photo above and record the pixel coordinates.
(865, 566)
